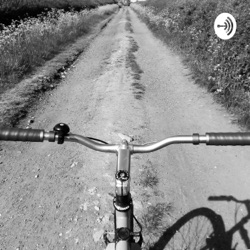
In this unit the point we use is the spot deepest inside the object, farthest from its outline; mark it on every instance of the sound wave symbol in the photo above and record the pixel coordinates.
(228, 26)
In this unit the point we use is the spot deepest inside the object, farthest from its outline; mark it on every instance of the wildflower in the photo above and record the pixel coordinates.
(216, 66)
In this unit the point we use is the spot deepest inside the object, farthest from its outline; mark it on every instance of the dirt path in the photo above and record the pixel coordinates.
(60, 197)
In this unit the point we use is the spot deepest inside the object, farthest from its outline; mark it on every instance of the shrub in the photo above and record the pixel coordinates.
(222, 66)
(28, 44)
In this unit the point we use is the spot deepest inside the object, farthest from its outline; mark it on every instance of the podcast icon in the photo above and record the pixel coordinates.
(225, 26)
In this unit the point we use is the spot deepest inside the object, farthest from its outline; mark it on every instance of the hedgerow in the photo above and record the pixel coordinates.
(30, 43)
(19, 9)
(222, 66)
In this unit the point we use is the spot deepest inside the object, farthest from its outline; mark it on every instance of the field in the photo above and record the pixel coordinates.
(222, 66)
(28, 43)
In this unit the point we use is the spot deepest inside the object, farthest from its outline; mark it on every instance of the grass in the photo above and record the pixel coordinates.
(18, 9)
(28, 44)
(222, 66)
(148, 177)
(154, 222)
(153, 218)
(138, 88)
(156, 212)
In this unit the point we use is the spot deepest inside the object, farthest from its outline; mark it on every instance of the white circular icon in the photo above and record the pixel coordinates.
(225, 26)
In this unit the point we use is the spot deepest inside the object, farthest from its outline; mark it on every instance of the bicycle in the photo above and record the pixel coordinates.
(124, 235)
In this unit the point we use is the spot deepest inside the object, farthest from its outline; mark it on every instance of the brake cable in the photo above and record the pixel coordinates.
(95, 139)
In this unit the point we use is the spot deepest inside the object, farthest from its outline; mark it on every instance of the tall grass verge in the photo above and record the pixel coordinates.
(18, 9)
(223, 67)
(25, 46)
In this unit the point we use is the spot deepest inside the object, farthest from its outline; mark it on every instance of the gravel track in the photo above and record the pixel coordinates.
(60, 196)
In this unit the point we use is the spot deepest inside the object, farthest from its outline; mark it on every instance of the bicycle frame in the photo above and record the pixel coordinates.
(123, 204)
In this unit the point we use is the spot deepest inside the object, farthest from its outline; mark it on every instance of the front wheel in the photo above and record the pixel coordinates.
(199, 229)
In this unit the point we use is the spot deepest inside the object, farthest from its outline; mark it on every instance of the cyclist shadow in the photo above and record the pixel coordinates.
(202, 228)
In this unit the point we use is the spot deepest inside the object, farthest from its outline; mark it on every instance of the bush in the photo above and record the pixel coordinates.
(222, 66)
(19, 9)
(28, 44)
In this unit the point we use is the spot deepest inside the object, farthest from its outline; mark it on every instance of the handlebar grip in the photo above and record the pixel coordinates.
(16, 134)
(228, 139)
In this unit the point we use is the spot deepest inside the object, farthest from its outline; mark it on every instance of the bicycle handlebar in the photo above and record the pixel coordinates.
(15, 134)
(229, 139)
(32, 135)
(38, 135)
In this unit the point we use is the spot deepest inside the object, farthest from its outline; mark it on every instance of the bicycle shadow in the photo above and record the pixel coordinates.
(239, 226)
(194, 223)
